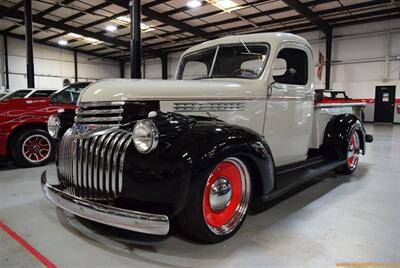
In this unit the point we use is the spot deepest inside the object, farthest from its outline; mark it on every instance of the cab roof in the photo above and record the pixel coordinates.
(274, 39)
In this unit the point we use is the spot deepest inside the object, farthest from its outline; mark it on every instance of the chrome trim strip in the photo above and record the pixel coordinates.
(97, 161)
(101, 103)
(122, 158)
(96, 112)
(324, 105)
(209, 106)
(121, 218)
(97, 119)
(196, 98)
(115, 165)
(103, 165)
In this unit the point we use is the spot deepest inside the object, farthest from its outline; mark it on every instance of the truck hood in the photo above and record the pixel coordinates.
(213, 89)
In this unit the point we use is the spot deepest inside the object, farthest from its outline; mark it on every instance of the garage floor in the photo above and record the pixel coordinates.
(339, 219)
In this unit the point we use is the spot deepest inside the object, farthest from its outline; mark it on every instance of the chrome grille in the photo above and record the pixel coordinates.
(100, 113)
(92, 168)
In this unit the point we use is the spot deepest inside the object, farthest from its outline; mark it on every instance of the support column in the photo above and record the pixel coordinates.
(328, 58)
(76, 66)
(122, 69)
(6, 61)
(164, 66)
(30, 72)
(136, 46)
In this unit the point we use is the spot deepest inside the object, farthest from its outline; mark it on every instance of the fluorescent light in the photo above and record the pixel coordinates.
(193, 4)
(225, 4)
(62, 42)
(93, 40)
(124, 19)
(74, 35)
(111, 28)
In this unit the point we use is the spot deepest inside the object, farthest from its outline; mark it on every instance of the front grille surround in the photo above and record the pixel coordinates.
(100, 113)
(92, 168)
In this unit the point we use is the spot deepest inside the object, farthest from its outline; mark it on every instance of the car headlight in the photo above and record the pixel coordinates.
(145, 136)
(53, 125)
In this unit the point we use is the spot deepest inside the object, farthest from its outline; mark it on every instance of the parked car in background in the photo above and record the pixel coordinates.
(28, 93)
(23, 125)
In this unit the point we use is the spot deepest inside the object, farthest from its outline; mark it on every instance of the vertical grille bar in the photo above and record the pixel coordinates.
(92, 167)
(115, 165)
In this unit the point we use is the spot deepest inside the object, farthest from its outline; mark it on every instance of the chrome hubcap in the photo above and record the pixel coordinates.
(220, 194)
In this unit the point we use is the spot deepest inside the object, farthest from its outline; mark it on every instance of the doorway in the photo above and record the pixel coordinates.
(384, 103)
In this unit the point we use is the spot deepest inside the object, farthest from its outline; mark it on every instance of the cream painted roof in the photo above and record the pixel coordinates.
(274, 39)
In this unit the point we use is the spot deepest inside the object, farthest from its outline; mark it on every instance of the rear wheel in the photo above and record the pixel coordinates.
(218, 210)
(352, 154)
(32, 148)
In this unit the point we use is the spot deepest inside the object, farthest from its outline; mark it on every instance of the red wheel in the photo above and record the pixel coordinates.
(219, 206)
(226, 196)
(32, 147)
(36, 148)
(353, 154)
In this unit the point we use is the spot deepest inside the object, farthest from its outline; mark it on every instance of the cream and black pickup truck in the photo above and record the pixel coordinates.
(239, 124)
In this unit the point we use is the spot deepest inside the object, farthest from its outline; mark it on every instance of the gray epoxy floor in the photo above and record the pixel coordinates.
(339, 219)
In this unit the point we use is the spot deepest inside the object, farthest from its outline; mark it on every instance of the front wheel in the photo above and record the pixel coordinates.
(352, 154)
(32, 148)
(219, 208)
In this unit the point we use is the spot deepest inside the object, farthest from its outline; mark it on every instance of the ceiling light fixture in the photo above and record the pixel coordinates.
(94, 41)
(74, 35)
(126, 20)
(226, 5)
(111, 28)
(193, 4)
(62, 42)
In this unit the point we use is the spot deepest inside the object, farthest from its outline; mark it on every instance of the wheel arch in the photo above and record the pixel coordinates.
(19, 128)
(249, 147)
(338, 130)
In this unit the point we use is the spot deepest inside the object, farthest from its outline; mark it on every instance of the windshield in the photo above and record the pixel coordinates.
(69, 95)
(17, 94)
(41, 93)
(225, 61)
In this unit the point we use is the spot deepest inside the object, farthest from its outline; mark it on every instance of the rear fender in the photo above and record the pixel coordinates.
(337, 133)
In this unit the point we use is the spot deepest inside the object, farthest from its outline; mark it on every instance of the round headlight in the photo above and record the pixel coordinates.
(145, 136)
(53, 125)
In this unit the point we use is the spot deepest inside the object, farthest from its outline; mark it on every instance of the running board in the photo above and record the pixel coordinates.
(289, 178)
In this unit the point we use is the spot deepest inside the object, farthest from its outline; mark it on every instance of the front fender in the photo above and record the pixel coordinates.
(164, 180)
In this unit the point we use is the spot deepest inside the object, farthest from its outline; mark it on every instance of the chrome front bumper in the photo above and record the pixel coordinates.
(121, 218)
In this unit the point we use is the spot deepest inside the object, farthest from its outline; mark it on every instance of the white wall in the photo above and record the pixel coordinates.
(52, 66)
(358, 61)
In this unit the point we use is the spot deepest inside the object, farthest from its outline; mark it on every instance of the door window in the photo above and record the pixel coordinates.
(291, 67)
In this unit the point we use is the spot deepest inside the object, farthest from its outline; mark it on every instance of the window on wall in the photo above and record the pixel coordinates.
(291, 67)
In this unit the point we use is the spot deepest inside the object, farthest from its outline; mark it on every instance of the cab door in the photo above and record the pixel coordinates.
(288, 123)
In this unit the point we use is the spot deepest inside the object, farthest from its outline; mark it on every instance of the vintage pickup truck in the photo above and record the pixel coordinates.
(239, 124)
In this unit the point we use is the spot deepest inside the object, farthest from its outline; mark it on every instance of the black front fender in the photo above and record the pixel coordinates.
(164, 180)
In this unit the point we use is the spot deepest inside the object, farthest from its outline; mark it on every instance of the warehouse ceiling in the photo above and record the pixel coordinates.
(101, 27)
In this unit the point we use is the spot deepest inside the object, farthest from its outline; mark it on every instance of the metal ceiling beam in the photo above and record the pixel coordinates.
(251, 16)
(308, 14)
(148, 12)
(11, 9)
(38, 41)
(65, 27)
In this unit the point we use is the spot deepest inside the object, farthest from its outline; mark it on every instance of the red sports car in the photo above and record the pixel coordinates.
(23, 125)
